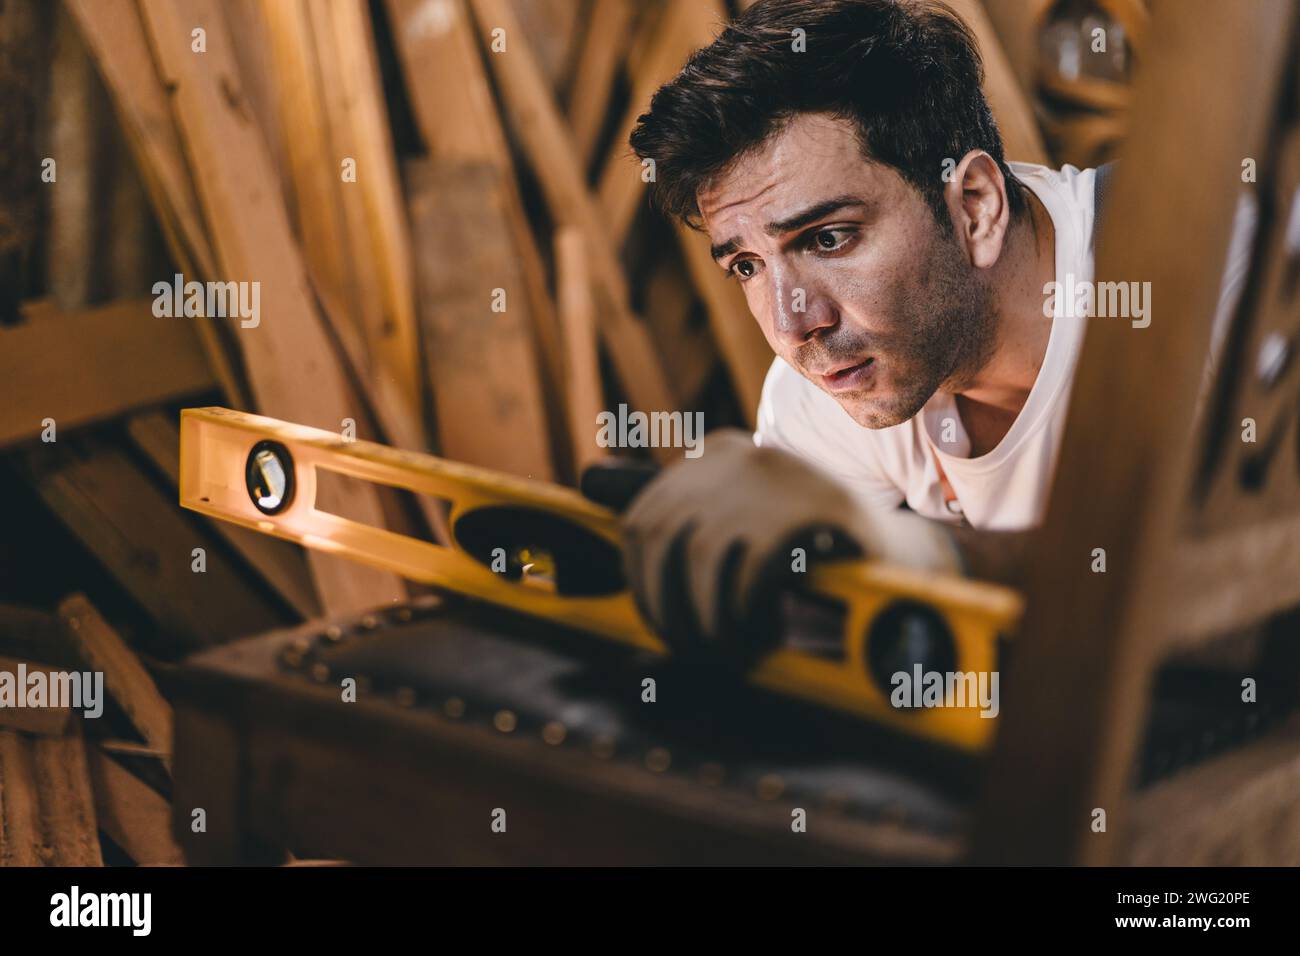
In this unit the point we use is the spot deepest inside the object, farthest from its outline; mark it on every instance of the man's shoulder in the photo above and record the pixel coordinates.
(1071, 181)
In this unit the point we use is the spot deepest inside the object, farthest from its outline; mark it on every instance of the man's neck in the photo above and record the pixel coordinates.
(990, 401)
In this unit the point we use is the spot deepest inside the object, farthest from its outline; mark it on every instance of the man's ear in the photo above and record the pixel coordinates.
(976, 196)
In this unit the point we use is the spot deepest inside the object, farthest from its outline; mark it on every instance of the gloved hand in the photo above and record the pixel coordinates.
(708, 545)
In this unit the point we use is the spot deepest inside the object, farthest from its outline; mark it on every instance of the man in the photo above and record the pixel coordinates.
(842, 158)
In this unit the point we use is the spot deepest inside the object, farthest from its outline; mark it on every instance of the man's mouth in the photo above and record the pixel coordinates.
(850, 376)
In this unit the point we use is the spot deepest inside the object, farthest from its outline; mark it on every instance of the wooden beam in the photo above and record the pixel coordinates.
(280, 564)
(303, 137)
(93, 364)
(144, 541)
(603, 44)
(47, 810)
(115, 35)
(741, 342)
(553, 28)
(20, 829)
(1238, 809)
(1017, 24)
(1021, 138)
(24, 54)
(348, 73)
(48, 721)
(471, 237)
(1124, 488)
(292, 366)
(582, 368)
(35, 634)
(487, 392)
(79, 139)
(685, 26)
(546, 140)
(125, 679)
(671, 309)
(132, 813)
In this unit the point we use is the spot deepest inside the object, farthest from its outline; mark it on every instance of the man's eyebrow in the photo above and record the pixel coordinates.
(791, 223)
(724, 248)
(811, 214)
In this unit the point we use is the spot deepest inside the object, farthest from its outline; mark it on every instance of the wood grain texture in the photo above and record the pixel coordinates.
(125, 679)
(487, 391)
(582, 361)
(292, 366)
(144, 541)
(116, 37)
(133, 814)
(463, 253)
(1124, 472)
(89, 365)
(47, 809)
(280, 564)
(47, 721)
(685, 26)
(542, 131)
(1239, 809)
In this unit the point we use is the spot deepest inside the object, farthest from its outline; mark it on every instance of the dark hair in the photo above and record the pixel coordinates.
(907, 73)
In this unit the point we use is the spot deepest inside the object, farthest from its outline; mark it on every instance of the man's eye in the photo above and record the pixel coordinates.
(743, 268)
(828, 240)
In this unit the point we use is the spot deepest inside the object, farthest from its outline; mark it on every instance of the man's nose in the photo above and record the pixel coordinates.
(801, 311)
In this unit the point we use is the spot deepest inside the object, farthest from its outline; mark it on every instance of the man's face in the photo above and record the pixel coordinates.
(852, 280)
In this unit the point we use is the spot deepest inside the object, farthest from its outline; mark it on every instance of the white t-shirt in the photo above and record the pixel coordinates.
(1007, 488)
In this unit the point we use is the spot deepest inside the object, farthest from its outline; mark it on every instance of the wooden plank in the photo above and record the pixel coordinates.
(671, 308)
(552, 28)
(741, 342)
(1124, 489)
(78, 201)
(348, 71)
(47, 811)
(482, 368)
(1017, 24)
(1212, 595)
(35, 634)
(1239, 809)
(582, 369)
(294, 372)
(115, 35)
(1021, 139)
(140, 536)
(125, 678)
(128, 748)
(67, 803)
(281, 564)
(24, 74)
(685, 26)
(536, 120)
(20, 830)
(106, 361)
(516, 352)
(256, 59)
(606, 38)
(46, 721)
(303, 136)
(132, 813)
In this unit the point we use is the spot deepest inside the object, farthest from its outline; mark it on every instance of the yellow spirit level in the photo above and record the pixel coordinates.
(547, 551)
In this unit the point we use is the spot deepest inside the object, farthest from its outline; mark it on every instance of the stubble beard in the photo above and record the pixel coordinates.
(946, 335)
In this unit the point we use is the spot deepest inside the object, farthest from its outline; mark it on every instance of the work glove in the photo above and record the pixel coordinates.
(709, 544)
